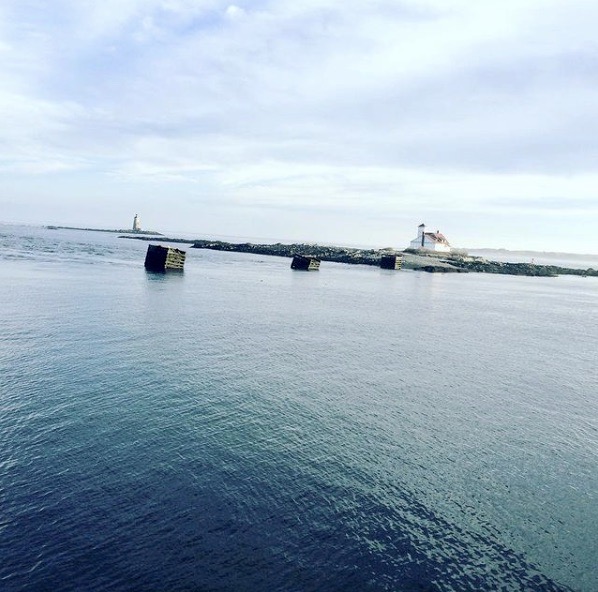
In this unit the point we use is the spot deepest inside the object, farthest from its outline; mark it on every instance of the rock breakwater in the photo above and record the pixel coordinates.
(414, 260)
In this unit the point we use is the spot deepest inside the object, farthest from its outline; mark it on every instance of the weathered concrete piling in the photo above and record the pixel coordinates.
(159, 258)
(305, 263)
(391, 261)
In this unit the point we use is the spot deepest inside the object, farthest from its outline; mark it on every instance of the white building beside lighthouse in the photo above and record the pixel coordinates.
(432, 241)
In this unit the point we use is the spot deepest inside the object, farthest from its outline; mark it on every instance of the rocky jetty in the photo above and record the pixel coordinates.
(119, 231)
(412, 259)
(530, 269)
(463, 263)
(429, 262)
(323, 253)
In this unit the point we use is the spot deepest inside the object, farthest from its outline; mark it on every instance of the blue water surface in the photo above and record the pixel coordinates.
(244, 427)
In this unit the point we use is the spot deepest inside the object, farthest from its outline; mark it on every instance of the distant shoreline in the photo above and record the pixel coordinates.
(414, 260)
(143, 232)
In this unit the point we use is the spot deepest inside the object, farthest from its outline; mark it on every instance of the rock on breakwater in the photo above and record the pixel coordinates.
(324, 253)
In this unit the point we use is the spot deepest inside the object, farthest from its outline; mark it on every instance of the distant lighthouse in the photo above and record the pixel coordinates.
(136, 223)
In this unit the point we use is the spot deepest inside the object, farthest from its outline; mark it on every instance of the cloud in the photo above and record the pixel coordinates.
(384, 105)
(559, 205)
(234, 12)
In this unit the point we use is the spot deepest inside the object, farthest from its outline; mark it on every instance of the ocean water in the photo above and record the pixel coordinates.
(243, 427)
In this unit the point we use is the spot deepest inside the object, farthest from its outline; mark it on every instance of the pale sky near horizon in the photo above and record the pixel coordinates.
(341, 122)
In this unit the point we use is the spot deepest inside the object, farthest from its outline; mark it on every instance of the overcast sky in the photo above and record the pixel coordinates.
(346, 122)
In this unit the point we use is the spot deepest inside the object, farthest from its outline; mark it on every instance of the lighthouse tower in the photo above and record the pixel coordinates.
(136, 223)
(421, 234)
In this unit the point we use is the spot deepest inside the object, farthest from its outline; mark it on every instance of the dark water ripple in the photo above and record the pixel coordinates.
(245, 428)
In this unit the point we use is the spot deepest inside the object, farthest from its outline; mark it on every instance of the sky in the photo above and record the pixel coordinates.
(340, 122)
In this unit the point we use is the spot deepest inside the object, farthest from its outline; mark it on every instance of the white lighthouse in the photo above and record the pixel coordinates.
(136, 223)
(431, 241)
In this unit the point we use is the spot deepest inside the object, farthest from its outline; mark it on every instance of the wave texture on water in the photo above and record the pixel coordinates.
(244, 427)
